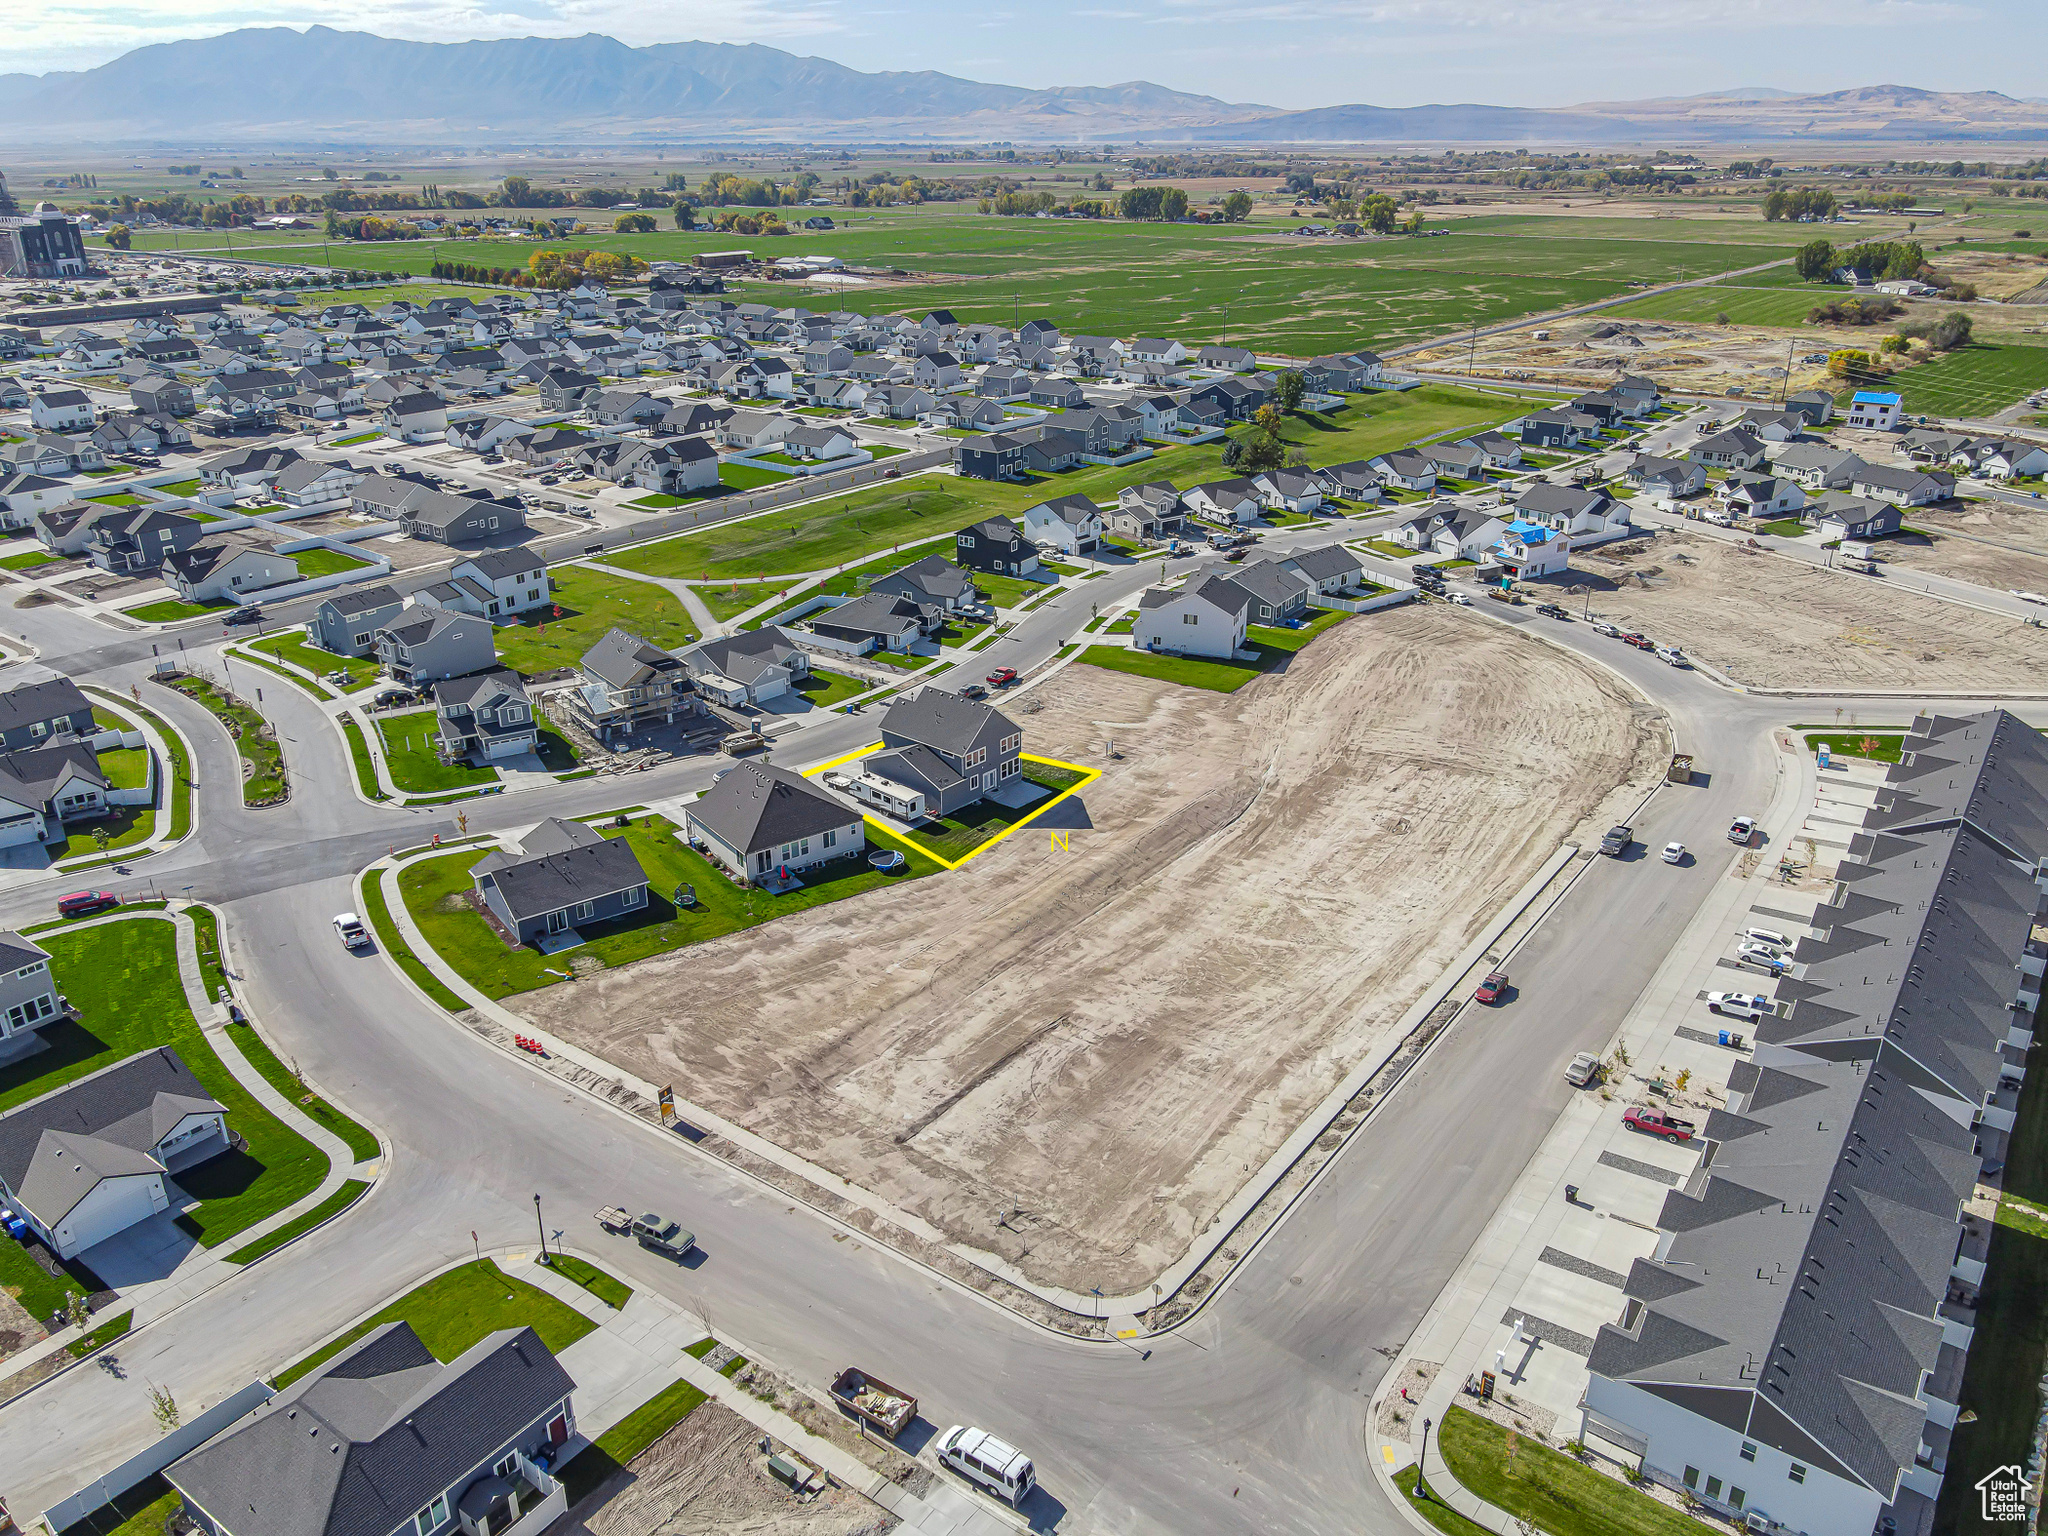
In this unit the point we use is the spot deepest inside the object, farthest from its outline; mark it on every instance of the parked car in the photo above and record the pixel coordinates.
(353, 934)
(663, 1235)
(1493, 989)
(1002, 677)
(1673, 656)
(994, 1464)
(1769, 936)
(85, 903)
(887, 860)
(391, 467)
(1617, 841)
(391, 698)
(1657, 1122)
(1553, 611)
(1743, 832)
(1757, 953)
(1461, 600)
(1602, 627)
(253, 614)
(1640, 642)
(1582, 1069)
(1739, 1005)
(974, 691)
(1674, 853)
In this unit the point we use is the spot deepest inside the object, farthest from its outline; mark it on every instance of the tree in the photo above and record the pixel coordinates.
(1378, 213)
(1288, 389)
(1815, 261)
(1141, 202)
(516, 191)
(1233, 453)
(686, 216)
(1263, 451)
(330, 173)
(1238, 204)
(117, 237)
(634, 224)
(1173, 204)
(164, 1409)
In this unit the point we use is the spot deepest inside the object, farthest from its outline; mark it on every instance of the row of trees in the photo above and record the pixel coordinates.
(1881, 261)
(1800, 203)
(557, 268)
(370, 227)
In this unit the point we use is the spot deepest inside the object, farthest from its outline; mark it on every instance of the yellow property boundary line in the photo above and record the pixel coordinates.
(1088, 776)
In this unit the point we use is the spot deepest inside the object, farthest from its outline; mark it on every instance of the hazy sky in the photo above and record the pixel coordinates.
(1285, 53)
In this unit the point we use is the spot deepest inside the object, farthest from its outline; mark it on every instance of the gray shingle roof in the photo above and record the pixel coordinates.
(26, 703)
(364, 600)
(534, 885)
(16, 951)
(942, 720)
(758, 806)
(623, 659)
(743, 657)
(373, 1436)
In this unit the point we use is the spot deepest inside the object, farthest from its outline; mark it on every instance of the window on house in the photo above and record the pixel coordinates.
(1713, 1487)
(434, 1516)
(830, 840)
(1736, 1498)
(637, 896)
(585, 910)
(1748, 1451)
(1798, 1473)
(1692, 1477)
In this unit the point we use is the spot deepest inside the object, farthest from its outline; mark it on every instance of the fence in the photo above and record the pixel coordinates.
(187, 1437)
(1361, 605)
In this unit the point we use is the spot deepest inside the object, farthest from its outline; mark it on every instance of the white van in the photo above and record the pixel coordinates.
(1769, 936)
(978, 1455)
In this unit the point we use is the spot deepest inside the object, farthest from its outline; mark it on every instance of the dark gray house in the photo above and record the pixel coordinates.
(451, 519)
(424, 644)
(977, 745)
(1278, 594)
(934, 580)
(484, 717)
(31, 714)
(384, 1438)
(347, 623)
(760, 819)
(878, 622)
(139, 539)
(996, 545)
(565, 874)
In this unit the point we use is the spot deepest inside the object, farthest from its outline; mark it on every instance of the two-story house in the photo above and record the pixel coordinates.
(140, 539)
(424, 643)
(346, 623)
(28, 993)
(953, 751)
(508, 582)
(1207, 616)
(484, 716)
(35, 712)
(934, 580)
(627, 682)
(996, 545)
(1069, 525)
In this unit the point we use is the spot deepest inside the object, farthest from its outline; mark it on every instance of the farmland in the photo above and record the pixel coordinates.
(1975, 380)
(1744, 305)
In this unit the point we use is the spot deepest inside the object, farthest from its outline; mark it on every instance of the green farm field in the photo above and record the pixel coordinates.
(1781, 307)
(1251, 283)
(1973, 381)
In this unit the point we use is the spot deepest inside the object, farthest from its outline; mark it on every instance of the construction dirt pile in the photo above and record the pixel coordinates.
(1769, 621)
(707, 1477)
(1075, 1058)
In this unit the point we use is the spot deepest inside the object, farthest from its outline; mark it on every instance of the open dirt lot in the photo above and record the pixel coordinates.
(1989, 565)
(707, 1477)
(1771, 622)
(1075, 1058)
(1708, 358)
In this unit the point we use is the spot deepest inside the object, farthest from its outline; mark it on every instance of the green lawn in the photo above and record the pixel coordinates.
(1274, 646)
(117, 499)
(1008, 591)
(40, 1294)
(453, 1311)
(179, 487)
(1559, 1494)
(1764, 306)
(824, 689)
(1784, 528)
(123, 979)
(102, 1336)
(359, 754)
(586, 604)
(292, 645)
(350, 1192)
(841, 530)
(356, 441)
(262, 753)
(556, 755)
(609, 1289)
(1999, 1382)
(28, 560)
(362, 1142)
(377, 913)
(180, 769)
(1973, 381)
(170, 611)
(141, 1511)
(436, 894)
(322, 561)
(628, 1438)
(301, 684)
(125, 767)
(1442, 1516)
(409, 756)
(124, 825)
(1878, 746)
(954, 837)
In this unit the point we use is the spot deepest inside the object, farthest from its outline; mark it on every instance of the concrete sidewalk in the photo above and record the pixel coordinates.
(1531, 1295)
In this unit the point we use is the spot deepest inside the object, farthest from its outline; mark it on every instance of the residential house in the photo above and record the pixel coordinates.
(1000, 381)
(1748, 493)
(563, 876)
(1817, 466)
(1278, 594)
(442, 517)
(753, 667)
(1666, 479)
(1353, 481)
(34, 713)
(28, 993)
(1728, 450)
(1147, 512)
(899, 402)
(87, 1161)
(1230, 359)
(1906, 487)
(1405, 470)
(975, 411)
(935, 371)
(246, 468)
(59, 410)
(1341, 373)
(1457, 461)
(953, 751)
(1328, 568)
(425, 642)
(1877, 409)
(346, 623)
(624, 407)
(1816, 405)
(62, 529)
(934, 581)
(511, 581)
(166, 397)
(1070, 525)
(1238, 399)
(1038, 333)
(43, 789)
(760, 821)
(420, 416)
(996, 545)
(484, 717)
(543, 445)
(1459, 534)
(312, 482)
(1057, 393)
(383, 1427)
(225, 564)
(1572, 509)
(1105, 431)
(1772, 426)
(1527, 549)
(136, 539)
(756, 429)
(692, 418)
(1223, 501)
(1558, 429)
(1839, 516)
(1638, 396)
(1205, 617)
(1496, 450)
(627, 683)
(1152, 349)
(1603, 407)
(814, 443)
(1288, 490)
(877, 622)
(2002, 458)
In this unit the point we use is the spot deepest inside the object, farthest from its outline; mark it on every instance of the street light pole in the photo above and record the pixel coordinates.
(543, 1228)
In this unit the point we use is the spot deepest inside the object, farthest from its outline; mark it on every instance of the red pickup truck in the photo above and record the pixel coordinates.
(1655, 1122)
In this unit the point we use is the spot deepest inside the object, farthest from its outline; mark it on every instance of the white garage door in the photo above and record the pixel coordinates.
(113, 1206)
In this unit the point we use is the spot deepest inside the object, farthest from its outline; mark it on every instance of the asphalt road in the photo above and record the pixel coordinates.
(1250, 1418)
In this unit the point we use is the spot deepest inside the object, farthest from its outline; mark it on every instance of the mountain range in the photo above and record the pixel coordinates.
(279, 85)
